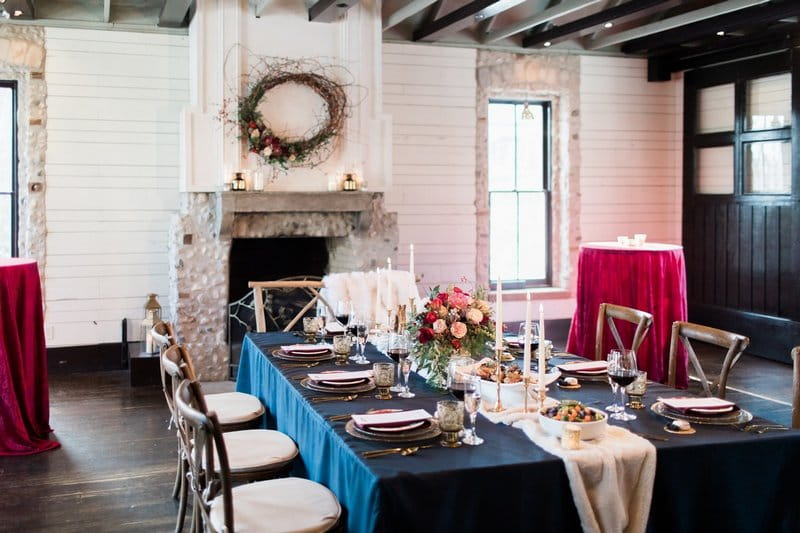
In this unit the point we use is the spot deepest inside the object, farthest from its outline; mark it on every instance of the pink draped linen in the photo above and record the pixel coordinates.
(652, 279)
(24, 400)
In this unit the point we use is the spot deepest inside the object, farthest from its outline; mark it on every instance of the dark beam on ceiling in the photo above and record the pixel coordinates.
(329, 10)
(565, 31)
(176, 13)
(770, 12)
(462, 18)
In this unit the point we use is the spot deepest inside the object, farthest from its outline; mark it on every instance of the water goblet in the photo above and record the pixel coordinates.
(383, 374)
(623, 372)
(362, 332)
(472, 403)
(398, 348)
(637, 389)
(310, 328)
(451, 421)
(613, 355)
(341, 347)
(405, 364)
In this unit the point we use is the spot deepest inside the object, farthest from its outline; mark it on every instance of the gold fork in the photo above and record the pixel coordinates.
(411, 450)
(299, 365)
(348, 398)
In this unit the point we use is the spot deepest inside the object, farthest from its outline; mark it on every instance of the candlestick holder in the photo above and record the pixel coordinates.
(527, 381)
(498, 404)
(412, 309)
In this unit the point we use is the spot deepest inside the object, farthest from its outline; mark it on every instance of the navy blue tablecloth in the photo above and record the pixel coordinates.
(719, 479)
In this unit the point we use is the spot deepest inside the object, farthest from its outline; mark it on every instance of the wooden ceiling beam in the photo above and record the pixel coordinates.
(329, 10)
(564, 8)
(462, 18)
(728, 22)
(631, 9)
(673, 22)
(408, 10)
(176, 13)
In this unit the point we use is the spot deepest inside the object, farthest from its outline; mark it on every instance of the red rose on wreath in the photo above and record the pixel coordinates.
(425, 335)
(456, 344)
(431, 317)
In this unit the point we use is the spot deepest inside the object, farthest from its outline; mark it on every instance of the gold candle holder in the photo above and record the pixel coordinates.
(498, 404)
(527, 381)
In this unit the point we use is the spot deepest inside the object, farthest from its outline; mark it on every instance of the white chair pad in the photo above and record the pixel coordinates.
(255, 449)
(279, 505)
(234, 407)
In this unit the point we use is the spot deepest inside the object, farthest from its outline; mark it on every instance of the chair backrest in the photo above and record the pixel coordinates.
(164, 336)
(735, 344)
(607, 314)
(796, 388)
(200, 434)
(310, 287)
(176, 367)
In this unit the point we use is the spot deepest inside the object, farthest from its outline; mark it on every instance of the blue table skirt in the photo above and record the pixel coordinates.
(717, 480)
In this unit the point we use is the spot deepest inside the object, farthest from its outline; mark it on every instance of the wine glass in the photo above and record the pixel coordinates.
(623, 371)
(613, 356)
(397, 350)
(405, 364)
(472, 402)
(362, 331)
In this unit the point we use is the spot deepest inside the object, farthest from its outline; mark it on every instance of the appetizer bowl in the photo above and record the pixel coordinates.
(593, 424)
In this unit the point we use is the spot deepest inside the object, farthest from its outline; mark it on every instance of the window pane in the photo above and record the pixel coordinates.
(533, 235)
(715, 170)
(5, 225)
(6, 133)
(769, 104)
(503, 236)
(501, 147)
(715, 109)
(768, 167)
(530, 149)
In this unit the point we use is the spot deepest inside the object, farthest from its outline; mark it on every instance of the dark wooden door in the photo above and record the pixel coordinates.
(741, 219)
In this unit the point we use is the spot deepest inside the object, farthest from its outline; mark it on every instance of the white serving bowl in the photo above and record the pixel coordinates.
(589, 430)
(513, 394)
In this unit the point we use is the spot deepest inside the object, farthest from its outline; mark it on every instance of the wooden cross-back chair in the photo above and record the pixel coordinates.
(310, 287)
(796, 388)
(608, 313)
(686, 331)
(285, 504)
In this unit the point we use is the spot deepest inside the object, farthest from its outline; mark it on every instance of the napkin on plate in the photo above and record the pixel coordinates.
(308, 349)
(398, 418)
(334, 328)
(584, 366)
(340, 376)
(699, 405)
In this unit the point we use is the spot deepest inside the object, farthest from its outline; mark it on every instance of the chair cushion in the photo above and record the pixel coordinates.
(234, 407)
(279, 505)
(255, 449)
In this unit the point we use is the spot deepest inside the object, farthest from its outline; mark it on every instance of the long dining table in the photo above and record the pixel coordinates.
(718, 479)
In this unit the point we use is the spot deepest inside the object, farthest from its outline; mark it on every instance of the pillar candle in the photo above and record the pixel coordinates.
(498, 332)
(526, 365)
(411, 262)
(542, 361)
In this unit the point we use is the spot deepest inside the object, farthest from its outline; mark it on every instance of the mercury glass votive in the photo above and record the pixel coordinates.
(383, 374)
(341, 347)
(310, 328)
(636, 390)
(451, 421)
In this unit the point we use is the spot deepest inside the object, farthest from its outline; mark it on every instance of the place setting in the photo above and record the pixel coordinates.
(339, 381)
(305, 353)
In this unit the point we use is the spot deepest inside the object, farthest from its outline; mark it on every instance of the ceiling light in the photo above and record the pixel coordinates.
(547, 43)
(526, 112)
(608, 25)
(720, 33)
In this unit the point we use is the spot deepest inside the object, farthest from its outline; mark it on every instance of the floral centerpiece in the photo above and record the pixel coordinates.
(452, 322)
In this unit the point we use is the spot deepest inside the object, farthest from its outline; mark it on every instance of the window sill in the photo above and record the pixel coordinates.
(538, 293)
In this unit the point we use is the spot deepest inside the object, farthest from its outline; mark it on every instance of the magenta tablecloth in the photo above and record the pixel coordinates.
(652, 279)
(24, 401)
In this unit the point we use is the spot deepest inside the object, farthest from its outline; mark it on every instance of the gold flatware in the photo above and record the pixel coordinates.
(650, 437)
(411, 450)
(336, 418)
(299, 365)
(764, 429)
(348, 398)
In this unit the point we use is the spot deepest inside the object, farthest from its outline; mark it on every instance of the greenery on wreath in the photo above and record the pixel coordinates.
(453, 321)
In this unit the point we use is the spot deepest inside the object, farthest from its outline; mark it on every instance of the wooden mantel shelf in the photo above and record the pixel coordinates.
(297, 201)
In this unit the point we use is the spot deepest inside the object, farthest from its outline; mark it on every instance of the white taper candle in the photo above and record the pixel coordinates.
(498, 316)
(526, 365)
(542, 361)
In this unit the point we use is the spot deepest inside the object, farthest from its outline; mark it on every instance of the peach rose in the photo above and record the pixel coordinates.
(458, 329)
(474, 315)
(459, 300)
(440, 326)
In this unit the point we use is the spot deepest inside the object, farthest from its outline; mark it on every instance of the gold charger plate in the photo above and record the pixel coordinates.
(584, 377)
(280, 354)
(739, 416)
(428, 432)
(319, 387)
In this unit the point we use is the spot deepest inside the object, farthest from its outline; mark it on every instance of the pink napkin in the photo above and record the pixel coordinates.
(707, 405)
(587, 366)
(341, 376)
(399, 418)
(307, 349)
(334, 328)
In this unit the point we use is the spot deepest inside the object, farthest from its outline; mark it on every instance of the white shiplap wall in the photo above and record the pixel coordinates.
(630, 144)
(430, 94)
(113, 105)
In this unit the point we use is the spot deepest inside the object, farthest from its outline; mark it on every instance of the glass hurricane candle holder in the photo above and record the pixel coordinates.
(310, 328)
(383, 374)
(636, 390)
(451, 421)
(341, 347)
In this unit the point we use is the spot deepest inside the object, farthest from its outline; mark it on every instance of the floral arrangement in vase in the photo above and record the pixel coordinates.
(452, 322)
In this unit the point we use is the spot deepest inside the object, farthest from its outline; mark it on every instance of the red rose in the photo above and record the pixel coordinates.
(252, 124)
(425, 335)
(456, 344)
(458, 290)
(442, 297)
(431, 317)
(277, 150)
(485, 320)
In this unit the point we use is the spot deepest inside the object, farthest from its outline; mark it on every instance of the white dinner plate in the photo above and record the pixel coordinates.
(397, 429)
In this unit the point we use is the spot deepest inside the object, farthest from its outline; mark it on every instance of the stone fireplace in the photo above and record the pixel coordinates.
(359, 233)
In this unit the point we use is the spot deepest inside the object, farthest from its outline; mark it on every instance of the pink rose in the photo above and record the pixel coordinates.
(459, 300)
(458, 329)
(440, 326)
(474, 315)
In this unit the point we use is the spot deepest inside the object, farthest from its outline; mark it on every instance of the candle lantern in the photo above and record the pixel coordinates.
(152, 316)
(239, 183)
(349, 183)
